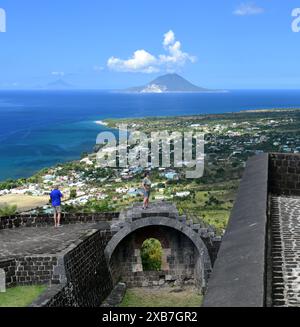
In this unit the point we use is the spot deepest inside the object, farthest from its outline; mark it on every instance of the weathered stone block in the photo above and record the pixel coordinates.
(170, 278)
(137, 267)
(2, 281)
(161, 282)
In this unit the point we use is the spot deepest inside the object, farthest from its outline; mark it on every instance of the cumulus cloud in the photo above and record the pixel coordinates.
(144, 62)
(2, 21)
(141, 61)
(176, 56)
(169, 38)
(246, 9)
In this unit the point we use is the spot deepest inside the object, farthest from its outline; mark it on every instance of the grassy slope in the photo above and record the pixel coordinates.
(139, 297)
(20, 296)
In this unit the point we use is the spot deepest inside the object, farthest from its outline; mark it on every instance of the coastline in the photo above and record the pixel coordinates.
(271, 110)
(101, 122)
(65, 136)
(111, 122)
(236, 136)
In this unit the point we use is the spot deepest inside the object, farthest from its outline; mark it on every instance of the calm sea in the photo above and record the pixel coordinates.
(41, 128)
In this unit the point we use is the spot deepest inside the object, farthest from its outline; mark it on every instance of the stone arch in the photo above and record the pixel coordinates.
(203, 265)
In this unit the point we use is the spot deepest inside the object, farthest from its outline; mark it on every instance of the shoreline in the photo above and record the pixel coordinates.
(110, 123)
(101, 122)
(271, 110)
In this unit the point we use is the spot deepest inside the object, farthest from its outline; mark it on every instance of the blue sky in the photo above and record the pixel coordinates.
(91, 44)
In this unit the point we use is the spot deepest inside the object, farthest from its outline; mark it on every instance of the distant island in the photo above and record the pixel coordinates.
(169, 83)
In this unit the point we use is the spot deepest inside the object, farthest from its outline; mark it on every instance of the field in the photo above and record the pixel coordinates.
(161, 297)
(211, 207)
(24, 202)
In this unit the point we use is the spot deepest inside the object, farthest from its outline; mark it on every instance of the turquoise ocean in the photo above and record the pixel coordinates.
(42, 128)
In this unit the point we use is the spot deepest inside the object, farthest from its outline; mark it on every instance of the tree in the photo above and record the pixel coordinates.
(73, 193)
(97, 206)
(151, 254)
(212, 201)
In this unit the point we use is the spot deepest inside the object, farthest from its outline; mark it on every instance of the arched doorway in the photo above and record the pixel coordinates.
(151, 255)
(185, 257)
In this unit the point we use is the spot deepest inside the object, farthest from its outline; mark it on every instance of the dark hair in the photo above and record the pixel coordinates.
(146, 174)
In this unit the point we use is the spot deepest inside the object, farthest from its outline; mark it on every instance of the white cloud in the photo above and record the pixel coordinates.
(176, 56)
(169, 38)
(141, 61)
(2, 21)
(144, 62)
(61, 74)
(246, 9)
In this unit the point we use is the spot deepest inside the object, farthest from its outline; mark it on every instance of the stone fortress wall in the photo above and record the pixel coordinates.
(85, 280)
(77, 276)
(82, 273)
(258, 262)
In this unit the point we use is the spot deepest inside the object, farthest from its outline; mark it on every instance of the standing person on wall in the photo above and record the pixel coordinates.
(55, 197)
(146, 184)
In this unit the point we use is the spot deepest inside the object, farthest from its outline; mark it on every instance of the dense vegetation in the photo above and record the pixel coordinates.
(8, 210)
(151, 254)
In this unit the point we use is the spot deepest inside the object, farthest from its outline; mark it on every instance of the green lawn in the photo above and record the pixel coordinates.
(164, 297)
(217, 218)
(20, 296)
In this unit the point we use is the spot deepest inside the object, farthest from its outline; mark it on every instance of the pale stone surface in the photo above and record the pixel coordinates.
(2, 281)
(170, 278)
(43, 240)
(286, 251)
(164, 261)
(145, 283)
(137, 267)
